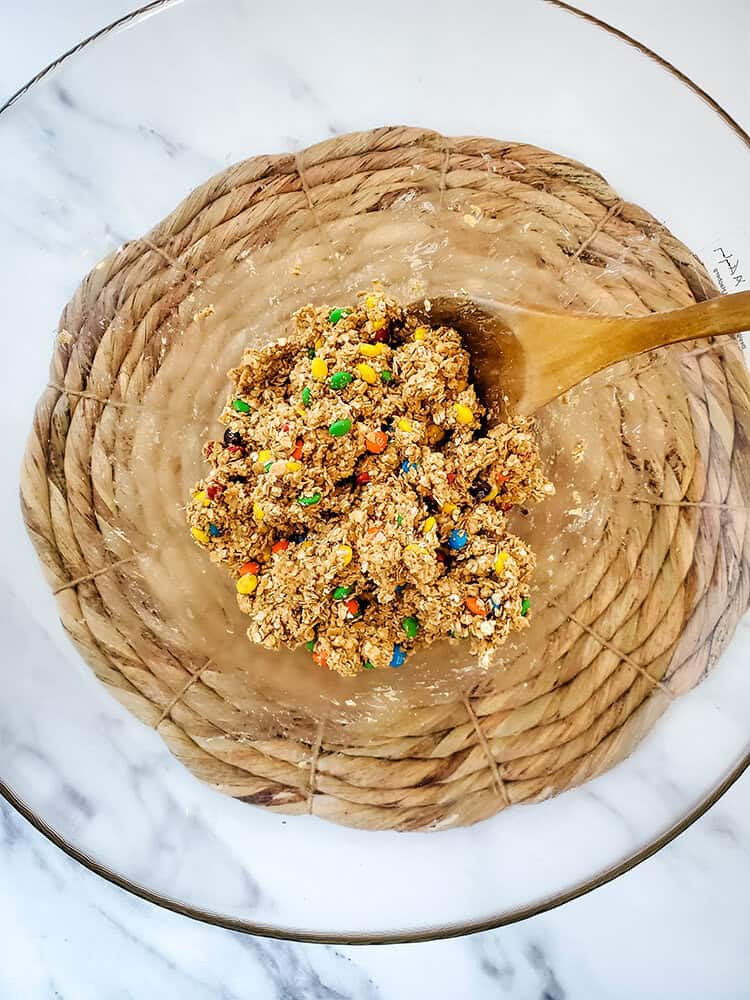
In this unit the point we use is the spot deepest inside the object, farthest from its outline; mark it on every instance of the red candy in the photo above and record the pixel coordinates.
(214, 490)
(249, 567)
(451, 477)
(236, 449)
(352, 606)
(381, 336)
(362, 478)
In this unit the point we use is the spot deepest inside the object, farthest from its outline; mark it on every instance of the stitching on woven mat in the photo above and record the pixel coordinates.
(313, 766)
(107, 400)
(684, 503)
(314, 211)
(613, 649)
(497, 779)
(92, 576)
(173, 262)
(181, 694)
(612, 211)
(444, 170)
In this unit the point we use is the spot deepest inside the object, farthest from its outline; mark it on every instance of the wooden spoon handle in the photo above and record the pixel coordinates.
(563, 349)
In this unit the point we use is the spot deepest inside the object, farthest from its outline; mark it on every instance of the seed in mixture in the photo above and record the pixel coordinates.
(363, 514)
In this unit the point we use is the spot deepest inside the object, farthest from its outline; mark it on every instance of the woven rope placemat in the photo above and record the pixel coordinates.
(643, 557)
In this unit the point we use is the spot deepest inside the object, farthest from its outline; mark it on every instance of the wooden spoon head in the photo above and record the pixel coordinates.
(498, 363)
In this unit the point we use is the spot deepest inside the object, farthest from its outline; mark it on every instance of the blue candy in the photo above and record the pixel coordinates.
(399, 656)
(457, 539)
(407, 466)
(213, 531)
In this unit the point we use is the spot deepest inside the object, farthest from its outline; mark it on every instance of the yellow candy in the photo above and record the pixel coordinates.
(420, 333)
(264, 456)
(293, 466)
(300, 411)
(306, 545)
(463, 414)
(370, 302)
(492, 494)
(367, 374)
(378, 324)
(199, 535)
(404, 424)
(202, 497)
(429, 524)
(416, 548)
(319, 344)
(319, 369)
(502, 558)
(247, 583)
(344, 554)
(448, 508)
(258, 512)
(371, 350)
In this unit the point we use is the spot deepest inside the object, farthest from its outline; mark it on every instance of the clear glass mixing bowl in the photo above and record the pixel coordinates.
(95, 152)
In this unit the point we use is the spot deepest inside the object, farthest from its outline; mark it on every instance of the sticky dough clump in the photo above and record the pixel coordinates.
(356, 498)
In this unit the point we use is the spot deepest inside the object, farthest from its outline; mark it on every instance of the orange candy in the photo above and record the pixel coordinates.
(321, 659)
(249, 567)
(476, 606)
(280, 545)
(297, 453)
(376, 442)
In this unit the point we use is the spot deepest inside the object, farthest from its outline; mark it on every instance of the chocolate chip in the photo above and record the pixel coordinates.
(480, 489)
(232, 437)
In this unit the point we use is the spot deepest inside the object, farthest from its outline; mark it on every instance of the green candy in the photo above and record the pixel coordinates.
(240, 406)
(340, 427)
(311, 352)
(309, 501)
(336, 314)
(368, 665)
(410, 625)
(306, 396)
(339, 593)
(399, 520)
(310, 646)
(525, 606)
(340, 380)
(267, 466)
(386, 376)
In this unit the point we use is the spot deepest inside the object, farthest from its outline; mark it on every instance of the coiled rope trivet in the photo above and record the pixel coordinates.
(635, 614)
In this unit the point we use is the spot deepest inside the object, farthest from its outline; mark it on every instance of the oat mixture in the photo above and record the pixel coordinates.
(357, 499)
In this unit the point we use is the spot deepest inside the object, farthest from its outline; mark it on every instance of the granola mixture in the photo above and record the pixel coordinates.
(356, 498)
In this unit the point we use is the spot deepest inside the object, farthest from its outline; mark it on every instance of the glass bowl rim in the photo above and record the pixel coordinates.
(451, 931)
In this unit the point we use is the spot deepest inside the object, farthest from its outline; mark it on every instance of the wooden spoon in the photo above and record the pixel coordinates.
(526, 356)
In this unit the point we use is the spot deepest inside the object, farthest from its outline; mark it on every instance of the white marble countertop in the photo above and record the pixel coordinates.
(674, 927)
